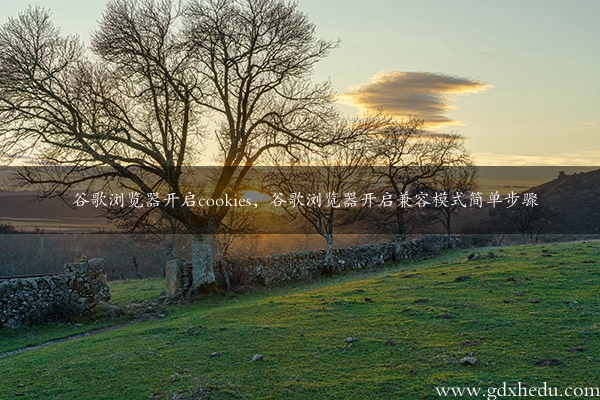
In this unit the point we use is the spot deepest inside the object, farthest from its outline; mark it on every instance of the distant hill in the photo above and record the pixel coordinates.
(568, 204)
(23, 211)
(575, 198)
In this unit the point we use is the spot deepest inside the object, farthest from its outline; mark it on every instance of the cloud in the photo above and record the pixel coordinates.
(20, 160)
(421, 94)
(581, 158)
(595, 122)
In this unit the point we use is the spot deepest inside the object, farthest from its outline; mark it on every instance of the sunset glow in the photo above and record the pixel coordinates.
(519, 80)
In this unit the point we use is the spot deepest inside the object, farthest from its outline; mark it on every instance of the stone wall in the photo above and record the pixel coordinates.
(31, 301)
(292, 267)
(300, 266)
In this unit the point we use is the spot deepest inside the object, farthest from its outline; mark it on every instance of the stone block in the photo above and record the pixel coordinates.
(173, 278)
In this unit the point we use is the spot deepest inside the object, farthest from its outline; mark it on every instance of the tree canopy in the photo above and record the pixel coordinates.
(158, 80)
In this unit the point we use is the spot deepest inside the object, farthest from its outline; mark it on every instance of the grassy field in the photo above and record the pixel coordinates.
(529, 315)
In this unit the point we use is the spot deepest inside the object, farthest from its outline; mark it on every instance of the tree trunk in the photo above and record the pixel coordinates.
(502, 236)
(329, 251)
(399, 234)
(398, 245)
(449, 237)
(136, 268)
(203, 273)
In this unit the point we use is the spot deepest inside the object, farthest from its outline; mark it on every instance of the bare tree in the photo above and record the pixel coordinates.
(528, 220)
(405, 156)
(323, 189)
(448, 189)
(130, 108)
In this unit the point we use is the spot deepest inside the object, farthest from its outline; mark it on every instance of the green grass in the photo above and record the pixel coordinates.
(135, 291)
(513, 313)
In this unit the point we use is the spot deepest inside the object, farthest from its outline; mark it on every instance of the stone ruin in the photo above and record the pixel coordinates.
(80, 291)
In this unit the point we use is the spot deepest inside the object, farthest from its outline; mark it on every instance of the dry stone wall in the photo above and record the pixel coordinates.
(292, 267)
(307, 265)
(32, 301)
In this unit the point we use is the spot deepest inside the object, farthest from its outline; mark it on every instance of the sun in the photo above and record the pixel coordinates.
(256, 196)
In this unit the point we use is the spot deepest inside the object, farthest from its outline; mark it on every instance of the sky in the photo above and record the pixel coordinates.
(520, 80)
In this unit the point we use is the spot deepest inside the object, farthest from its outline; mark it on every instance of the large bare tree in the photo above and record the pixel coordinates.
(130, 107)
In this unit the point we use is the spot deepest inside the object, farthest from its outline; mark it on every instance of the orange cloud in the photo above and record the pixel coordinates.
(595, 122)
(421, 94)
(581, 158)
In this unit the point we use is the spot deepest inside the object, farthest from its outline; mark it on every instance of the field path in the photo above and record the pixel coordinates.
(75, 337)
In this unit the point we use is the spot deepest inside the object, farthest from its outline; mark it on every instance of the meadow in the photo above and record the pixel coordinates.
(524, 315)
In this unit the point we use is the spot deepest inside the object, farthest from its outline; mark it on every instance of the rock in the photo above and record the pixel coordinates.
(258, 357)
(548, 362)
(104, 309)
(468, 360)
(173, 278)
